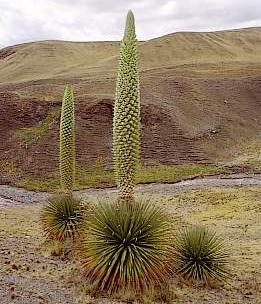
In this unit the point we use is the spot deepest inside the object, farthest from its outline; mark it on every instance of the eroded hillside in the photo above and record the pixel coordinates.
(201, 99)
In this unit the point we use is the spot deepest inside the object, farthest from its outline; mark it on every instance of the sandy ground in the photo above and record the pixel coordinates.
(231, 206)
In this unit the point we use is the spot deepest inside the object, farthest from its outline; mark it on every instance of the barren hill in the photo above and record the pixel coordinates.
(201, 98)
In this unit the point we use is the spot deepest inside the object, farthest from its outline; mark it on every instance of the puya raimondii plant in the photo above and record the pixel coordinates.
(126, 245)
(126, 120)
(201, 255)
(62, 215)
(67, 142)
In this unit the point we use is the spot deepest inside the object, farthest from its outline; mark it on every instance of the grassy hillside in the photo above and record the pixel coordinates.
(49, 59)
(200, 99)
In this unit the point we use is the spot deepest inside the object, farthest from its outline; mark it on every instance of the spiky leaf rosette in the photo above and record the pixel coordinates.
(126, 246)
(126, 120)
(201, 255)
(61, 217)
(67, 141)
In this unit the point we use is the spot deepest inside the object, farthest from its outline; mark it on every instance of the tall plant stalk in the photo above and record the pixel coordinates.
(67, 142)
(126, 121)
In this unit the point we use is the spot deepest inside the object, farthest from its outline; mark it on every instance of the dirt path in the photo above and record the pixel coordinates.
(14, 195)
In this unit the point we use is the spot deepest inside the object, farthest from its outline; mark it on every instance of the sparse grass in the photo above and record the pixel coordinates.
(101, 178)
(232, 212)
(248, 153)
(29, 136)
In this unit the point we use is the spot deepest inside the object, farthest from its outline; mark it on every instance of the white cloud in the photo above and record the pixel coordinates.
(85, 20)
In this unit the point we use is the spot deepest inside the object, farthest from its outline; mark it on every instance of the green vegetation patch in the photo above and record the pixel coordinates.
(172, 174)
(101, 178)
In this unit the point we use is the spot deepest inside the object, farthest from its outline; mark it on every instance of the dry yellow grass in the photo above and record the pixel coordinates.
(56, 59)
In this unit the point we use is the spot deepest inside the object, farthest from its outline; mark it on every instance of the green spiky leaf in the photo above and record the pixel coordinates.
(126, 245)
(201, 255)
(61, 217)
(67, 141)
(126, 121)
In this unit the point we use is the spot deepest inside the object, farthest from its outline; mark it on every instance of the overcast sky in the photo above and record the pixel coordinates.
(87, 20)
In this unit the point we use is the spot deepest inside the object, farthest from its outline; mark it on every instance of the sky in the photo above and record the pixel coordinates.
(91, 20)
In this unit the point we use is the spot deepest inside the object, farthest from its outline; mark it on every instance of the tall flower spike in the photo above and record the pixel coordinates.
(67, 142)
(126, 120)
